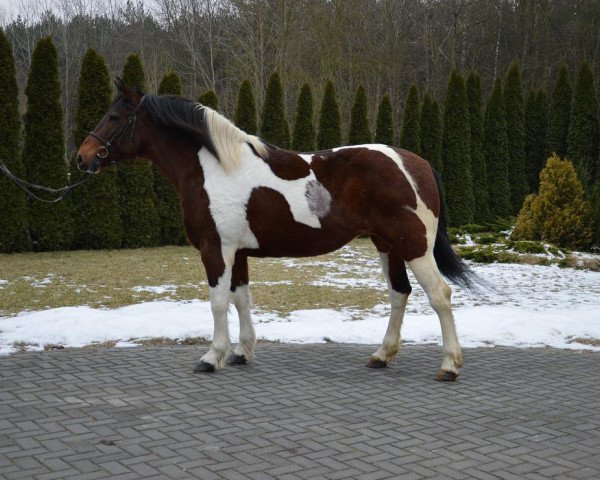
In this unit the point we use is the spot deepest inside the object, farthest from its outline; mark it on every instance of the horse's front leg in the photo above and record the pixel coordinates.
(244, 351)
(218, 265)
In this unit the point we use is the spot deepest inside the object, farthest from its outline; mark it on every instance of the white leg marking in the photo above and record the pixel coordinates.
(438, 292)
(391, 342)
(243, 302)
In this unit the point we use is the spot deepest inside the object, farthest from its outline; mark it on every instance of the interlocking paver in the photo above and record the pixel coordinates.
(299, 412)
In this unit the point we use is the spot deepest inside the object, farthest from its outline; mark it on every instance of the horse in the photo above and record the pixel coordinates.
(242, 197)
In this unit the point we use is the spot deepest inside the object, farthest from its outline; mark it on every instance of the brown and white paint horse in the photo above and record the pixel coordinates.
(242, 197)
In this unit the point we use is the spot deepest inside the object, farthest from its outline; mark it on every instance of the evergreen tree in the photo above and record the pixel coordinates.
(95, 206)
(536, 127)
(51, 227)
(245, 110)
(495, 152)
(359, 132)
(559, 115)
(409, 133)
(136, 181)
(209, 99)
(584, 130)
(330, 133)
(481, 211)
(14, 236)
(167, 200)
(430, 126)
(274, 127)
(456, 138)
(304, 130)
(170, 84)
(384, 132)
(515, 131)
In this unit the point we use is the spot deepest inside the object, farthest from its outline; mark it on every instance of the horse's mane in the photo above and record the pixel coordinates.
(225, 138)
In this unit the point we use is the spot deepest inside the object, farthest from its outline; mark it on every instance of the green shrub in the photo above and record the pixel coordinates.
(486, 239)
(526, 246)
(274, 127)
(487, 254)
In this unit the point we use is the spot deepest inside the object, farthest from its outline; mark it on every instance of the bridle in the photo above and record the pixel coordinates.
(103, 151)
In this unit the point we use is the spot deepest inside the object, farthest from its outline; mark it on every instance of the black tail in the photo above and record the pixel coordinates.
(450, 264)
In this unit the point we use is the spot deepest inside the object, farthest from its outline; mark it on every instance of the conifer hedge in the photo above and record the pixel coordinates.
(359, 132)
(384, 131)
(330, 133)
(456, 174)
(14, 236)
(209, 99)
(245, 110)
(95, 206)
(170, 84)
(274, 126)
(304, 129)
(559, 114)
(409, 133)
(430, 126)
(136, 182)
(536, 128)
(51, 226)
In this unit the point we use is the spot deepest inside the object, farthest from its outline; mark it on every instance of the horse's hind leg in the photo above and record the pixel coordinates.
(399, 289)
(244, 351)
(438, 292)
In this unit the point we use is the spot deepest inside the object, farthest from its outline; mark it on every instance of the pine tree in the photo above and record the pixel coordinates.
(515, 131)
(409, 133)
(495, 152)
(384, 132)
(245, 110)
(478, 170)
(304, 129)
(559, 115)
(209, 99)
(359, 132)
(330, 133)
(430, 126)
(167, 200)
(584, 130)
(136, 180)
(51, 227)
(14, 236)
(536, 127)
(170, 84)
(274, 127)
(95, 206)
(456, 174)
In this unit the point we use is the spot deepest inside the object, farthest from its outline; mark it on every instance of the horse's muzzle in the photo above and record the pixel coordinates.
(82, 167)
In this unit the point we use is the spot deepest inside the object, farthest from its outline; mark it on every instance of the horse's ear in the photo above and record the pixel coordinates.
(120, 85)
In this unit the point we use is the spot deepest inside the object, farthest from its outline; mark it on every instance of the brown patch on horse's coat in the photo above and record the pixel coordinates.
(422, 175)
(287, 165)
(239, 273)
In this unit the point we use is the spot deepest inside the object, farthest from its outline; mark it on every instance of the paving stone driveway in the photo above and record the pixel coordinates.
(299, 412)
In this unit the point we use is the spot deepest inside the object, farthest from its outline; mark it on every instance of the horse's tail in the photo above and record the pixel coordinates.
(448, 262)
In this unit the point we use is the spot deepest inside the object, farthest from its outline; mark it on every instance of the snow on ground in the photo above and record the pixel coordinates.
(532, 306)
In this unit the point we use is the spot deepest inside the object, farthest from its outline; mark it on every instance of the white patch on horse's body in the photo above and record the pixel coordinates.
(307, 157)
(319, 198)
(229, 193)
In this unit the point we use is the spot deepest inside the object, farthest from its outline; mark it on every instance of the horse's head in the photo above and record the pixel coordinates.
(113, 139)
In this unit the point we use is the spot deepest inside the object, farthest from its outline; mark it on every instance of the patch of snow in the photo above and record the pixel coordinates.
(43, 282)
(3, 282)
(158, 289)
(126, 344)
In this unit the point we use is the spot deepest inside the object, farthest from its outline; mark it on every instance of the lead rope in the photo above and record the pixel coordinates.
(26, 186)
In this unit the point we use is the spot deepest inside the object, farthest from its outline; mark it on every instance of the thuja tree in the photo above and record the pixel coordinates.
(384, 130)
(559, 113)
(584, 130)
(171, 231)
(359, 132)
(209, 99)
(515, 131)
(495, 152)
(245, 110)
(430, 126)
(481, 211)
(274, 126)
(536, 127)
(304, 129)
(136, 182)
(44, 149)
(458, 184)
(409, 133)
(14, 236)
(95, 206)
(330, 133)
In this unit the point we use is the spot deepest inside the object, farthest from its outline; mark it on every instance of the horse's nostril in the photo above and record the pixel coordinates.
(79, 159)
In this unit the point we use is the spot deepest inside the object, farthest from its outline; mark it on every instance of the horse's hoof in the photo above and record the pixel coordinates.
(204, 367)
(235, 359)
(376, 363)
(446, 376)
